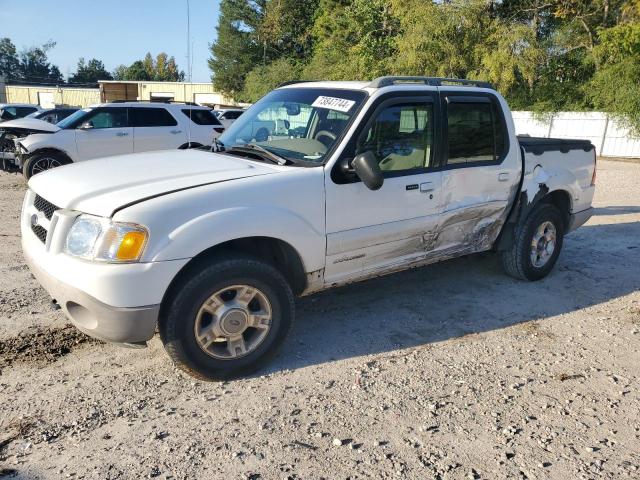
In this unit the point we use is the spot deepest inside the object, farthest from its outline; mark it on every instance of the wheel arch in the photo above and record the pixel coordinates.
(278, 253)
(55, 150)
(559, 198)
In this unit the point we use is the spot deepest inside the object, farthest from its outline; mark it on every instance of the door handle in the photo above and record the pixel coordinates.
(122, 134)
(503, 177)
(175, 132)
(427, 187)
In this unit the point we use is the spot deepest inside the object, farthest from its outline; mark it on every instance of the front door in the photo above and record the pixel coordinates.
(371, 232)
(104, 132)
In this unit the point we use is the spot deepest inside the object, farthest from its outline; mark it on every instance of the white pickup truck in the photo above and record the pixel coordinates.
(211, 246)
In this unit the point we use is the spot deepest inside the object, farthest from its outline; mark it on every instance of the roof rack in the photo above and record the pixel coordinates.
(194, 104)
(292, 82)
(431, 81)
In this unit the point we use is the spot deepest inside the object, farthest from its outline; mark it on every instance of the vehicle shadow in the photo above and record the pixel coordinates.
(616, 210)
(460, 297)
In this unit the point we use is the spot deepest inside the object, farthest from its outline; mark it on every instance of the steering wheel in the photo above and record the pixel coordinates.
(325, 133)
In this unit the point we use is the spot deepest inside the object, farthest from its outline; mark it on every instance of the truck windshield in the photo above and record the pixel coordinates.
(297, 124)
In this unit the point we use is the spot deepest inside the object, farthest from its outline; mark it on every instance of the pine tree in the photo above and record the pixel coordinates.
(238, 47)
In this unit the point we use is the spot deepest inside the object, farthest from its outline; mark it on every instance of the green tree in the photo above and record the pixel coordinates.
(120, 72)
(35, 66)
(238, 47)
(161, 69)
(137, 71)
(90, 72)
(261, 80)
(286, 28)
(615, 87)
(9, 64)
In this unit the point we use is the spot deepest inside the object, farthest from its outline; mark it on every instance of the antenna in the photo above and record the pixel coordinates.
(188, 43)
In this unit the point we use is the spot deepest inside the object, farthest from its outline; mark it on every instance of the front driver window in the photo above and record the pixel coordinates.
(401, 137)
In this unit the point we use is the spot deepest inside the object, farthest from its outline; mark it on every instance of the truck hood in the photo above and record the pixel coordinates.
(32, 125)
(100, 187)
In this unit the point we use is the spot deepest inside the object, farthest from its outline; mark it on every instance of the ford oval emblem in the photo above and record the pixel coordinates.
(34, 220)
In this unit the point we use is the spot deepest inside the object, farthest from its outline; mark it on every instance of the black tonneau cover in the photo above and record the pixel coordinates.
(539, 145)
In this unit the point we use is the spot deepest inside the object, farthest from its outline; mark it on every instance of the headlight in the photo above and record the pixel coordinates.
(95, 238)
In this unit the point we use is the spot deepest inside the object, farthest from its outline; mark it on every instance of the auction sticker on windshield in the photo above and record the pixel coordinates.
(333, 103)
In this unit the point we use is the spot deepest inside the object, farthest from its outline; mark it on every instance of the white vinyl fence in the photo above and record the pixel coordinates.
(609, 137)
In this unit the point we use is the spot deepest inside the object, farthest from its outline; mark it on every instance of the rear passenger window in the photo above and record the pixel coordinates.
(475, 131)
(152, 117)
(201, 117)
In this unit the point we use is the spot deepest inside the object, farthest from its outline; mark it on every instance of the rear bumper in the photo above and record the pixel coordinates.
(578, 219)
(95, 318)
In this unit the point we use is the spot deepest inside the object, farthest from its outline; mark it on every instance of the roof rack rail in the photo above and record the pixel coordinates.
(292, 82)
(431, 81)
(194, 104)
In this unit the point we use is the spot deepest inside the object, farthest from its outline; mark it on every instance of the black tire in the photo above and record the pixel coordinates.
(178, 316)
(517, 260)
(40, 162)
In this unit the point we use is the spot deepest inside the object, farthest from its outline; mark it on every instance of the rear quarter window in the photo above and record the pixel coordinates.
(201, 117)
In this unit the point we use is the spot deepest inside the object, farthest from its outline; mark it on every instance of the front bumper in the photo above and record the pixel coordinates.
(577, 219)
(113, 302)
(95, 318)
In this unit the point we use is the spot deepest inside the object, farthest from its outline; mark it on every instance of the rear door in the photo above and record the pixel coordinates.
(103, 132)
(370, 232)
(481, 171)
(155, 128)
(202, 125)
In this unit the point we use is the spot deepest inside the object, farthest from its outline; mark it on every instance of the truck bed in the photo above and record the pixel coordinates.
(539, 145)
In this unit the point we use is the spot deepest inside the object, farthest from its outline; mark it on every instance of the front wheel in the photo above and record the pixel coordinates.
(227, 319)
(40, 162)
(536, 246)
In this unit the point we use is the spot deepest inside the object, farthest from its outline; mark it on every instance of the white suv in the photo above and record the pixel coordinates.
(115, 129)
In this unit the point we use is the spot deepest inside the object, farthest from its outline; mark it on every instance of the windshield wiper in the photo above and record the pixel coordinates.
(216, 146)
(259, 150)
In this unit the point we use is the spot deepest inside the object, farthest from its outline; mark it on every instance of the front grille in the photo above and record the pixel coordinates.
(40, 232)
(44, 206)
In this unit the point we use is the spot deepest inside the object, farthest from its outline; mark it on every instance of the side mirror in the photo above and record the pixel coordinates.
(86, 126)
(368, 170)
(292, 109)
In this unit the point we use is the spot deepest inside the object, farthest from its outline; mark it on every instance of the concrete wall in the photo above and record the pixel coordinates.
(81, 97)
(609, 136)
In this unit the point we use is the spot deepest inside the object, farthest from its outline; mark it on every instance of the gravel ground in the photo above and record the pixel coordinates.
(454, 371)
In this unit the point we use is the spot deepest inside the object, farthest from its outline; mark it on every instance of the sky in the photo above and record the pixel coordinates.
(114, 31)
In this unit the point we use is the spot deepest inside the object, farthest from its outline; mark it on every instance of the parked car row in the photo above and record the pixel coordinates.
(34, 145)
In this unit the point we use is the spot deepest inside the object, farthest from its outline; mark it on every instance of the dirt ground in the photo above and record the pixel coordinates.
(454, 371)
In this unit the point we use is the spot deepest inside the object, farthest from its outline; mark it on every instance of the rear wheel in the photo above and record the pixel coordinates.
(537, 245)
(227, 319)
(40, 162)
